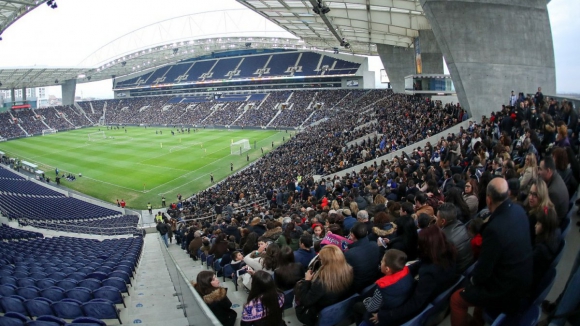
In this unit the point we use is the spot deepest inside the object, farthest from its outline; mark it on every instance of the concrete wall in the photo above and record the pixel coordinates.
(433, 139)
(431, 56)
(493, 47)
(68, 91)
(399, 62)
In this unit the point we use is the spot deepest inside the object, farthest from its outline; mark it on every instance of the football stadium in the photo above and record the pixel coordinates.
(280, 162)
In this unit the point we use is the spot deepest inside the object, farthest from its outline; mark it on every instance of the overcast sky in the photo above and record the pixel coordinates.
(65, 36)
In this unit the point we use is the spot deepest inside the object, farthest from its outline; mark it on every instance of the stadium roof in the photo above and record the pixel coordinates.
(360, 23)
(12, 10)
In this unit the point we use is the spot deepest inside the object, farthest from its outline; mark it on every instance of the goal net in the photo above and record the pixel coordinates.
(48, 131)
(97, 135)
(239, 147)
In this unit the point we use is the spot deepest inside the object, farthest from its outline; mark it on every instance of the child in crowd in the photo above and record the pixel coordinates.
(392, 290)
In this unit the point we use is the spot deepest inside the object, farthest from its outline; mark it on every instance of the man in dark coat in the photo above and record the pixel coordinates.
(557, 189)
(363, 256)
(502, 278)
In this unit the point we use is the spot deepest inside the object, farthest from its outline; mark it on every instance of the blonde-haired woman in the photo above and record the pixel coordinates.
(529, 173)
(328, 284)
(335, 205)
(354, 208)
(538, 199)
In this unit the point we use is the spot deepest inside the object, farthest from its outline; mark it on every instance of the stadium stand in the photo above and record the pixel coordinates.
(64, 277)
(284, 64)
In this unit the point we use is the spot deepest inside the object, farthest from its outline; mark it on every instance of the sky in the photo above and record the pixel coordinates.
(65, 36)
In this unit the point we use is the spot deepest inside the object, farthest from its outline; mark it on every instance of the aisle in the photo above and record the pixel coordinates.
(152, 302)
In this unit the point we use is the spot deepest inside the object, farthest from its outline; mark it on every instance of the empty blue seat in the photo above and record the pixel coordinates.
(78, 276)
(16, 315)
(97, 275)
(38, 275)
(53, 293)
(90, 283)
(20, 274)
(122, 275)
(13, 303)
(24, 282)
(7, 321)
(110, 293)
(89, 321)
(67, 284)
(288, 299)
(38, 307)
(81, 294)
(28, 292)
(337, 312)
(45, 283)
(57, 276)
(52, 319)
(101, 309)
(209, 261)
(7, 290)
(8, 280)
(116, 283)
(67, 309)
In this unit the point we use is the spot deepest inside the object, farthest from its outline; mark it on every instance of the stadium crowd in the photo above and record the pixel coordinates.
(302, 105)
(495, 193)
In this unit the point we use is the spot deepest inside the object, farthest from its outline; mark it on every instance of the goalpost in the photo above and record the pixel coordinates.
(48, 131)
(97, 135)
(239, 147)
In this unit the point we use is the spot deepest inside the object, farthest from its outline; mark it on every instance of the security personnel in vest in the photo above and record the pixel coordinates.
(149, 207)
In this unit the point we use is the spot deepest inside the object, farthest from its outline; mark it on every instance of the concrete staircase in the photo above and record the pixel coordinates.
(152, 302)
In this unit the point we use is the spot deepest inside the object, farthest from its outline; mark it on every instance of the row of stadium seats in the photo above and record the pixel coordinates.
(117, 225)
(265, 65)
(8, 233)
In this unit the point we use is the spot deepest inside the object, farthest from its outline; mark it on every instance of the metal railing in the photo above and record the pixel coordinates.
(194, 309)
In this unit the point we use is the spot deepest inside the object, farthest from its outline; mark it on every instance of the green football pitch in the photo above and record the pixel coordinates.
(140, 165)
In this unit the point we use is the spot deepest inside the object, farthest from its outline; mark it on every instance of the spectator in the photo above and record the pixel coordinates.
(349, 221)
(264, 304)
(547, 242)
(328, 284)
(290, 237)
(216, 298)
(162, 228)
(305, 254)
(251, 244)
(195, 245)
(503, 275)
(288, 272)
(470, 196)
(436, 272)
(456, 233)
(391, 290)
(556, 186)
(363, 256)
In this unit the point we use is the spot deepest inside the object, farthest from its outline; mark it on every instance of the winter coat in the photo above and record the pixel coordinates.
(219, 303)
(364, 257)
(433, 280)
(456, 233)
(503, 274)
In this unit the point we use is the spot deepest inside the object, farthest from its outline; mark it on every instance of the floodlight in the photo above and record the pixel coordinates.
(54, 6)
(49, 3)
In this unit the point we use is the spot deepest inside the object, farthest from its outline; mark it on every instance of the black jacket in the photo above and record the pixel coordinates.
(313, 295)
(162, 228)
(364, 257)
(503, 274)
(287, 276)
(433, 280)
(219, 303)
